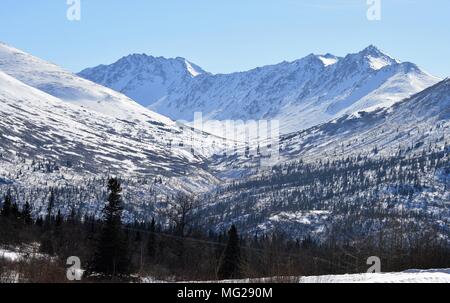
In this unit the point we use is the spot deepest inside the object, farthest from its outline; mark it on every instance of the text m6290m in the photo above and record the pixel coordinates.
(247, 293)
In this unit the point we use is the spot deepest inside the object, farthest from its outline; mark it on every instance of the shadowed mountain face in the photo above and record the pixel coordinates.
(300, 94)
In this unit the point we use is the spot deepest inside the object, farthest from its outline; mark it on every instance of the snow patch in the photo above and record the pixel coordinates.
(191, 69)
(327, 61)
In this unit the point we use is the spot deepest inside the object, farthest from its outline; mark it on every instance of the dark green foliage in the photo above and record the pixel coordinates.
(112, 256)
(151, 241)
(15, 212)
(230, 265)
(7, 205)
(26, 214)
(50, 206)
(59, 219)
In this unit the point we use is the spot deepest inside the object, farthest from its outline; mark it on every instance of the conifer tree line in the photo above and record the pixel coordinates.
(361, 191)
(115, 250)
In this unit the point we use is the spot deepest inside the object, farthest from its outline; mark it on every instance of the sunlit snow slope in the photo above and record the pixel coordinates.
(67, 86)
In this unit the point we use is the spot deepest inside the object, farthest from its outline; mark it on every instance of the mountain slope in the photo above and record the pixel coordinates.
(38, 130)
(423, 118)
(300, 94)
(144, 78)
(68, 87)
(341, 177)
(410, 125)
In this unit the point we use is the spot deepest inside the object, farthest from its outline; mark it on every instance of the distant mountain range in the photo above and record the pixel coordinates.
(300, 94)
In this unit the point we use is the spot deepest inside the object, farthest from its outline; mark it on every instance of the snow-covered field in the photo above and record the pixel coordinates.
(409, 276)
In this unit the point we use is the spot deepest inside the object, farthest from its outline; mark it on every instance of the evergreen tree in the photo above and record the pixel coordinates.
(26, 214)
(231, 259)
(151, 241)
(112, 257)
(59, 219)
(40, 222)
(7, 205)
(15, 212)
(51, 205)
(138, 237)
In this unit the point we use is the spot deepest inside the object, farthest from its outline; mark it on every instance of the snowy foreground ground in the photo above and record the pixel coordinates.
(15, 256)
(409, 276)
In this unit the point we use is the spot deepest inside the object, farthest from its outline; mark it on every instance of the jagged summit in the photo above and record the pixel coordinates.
(300, 94)
(145, 62)
(372, 50)
(142, 77)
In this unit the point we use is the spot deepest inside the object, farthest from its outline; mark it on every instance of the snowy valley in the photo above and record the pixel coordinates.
(365, 148)
(60, 130)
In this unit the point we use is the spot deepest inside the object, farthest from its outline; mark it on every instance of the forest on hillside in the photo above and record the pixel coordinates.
(395, 209)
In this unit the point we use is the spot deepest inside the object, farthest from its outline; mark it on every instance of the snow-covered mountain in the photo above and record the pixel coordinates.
(59, 130)
(86, 130)
(143, 78)
(412, 124)
(36, 126)
(341, 173)
(67, 86)
(300, 94)
(409, 125)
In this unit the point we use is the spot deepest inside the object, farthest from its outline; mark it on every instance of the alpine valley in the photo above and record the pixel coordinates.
(365, 142)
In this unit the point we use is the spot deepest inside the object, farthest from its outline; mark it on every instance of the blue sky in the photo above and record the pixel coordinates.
(225, 36)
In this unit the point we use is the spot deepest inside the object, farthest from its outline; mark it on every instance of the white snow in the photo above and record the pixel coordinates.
(68, 87)
(21, 254)
(191, 69)
(36, 124)
(410, 276)
(9, 255)
(299, 94)
(328, 61)
(378, 63)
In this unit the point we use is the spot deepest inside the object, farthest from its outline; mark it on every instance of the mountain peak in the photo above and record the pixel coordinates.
(319, 60)
(301, 93)
(372, 50)
(373, 58)
(162, 64)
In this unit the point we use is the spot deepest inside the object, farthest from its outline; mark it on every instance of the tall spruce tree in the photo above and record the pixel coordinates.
(59, 219)
(50, 206)
(151, 241)
(230, 265)
(15, 212)
(26, 214)
(112, 257)
(7, 205)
